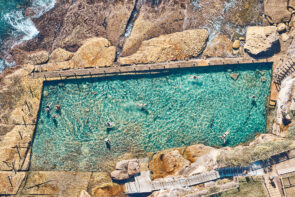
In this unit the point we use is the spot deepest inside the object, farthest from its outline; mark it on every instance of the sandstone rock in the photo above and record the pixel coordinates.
(261, 40)
(120, 175)
(125, 169)
(236, 51)
(35, 57)
(94, 52)
(277, 10)
(166, 163)
(291, 4)
(176, 46)
(133, 168)
(122, 165)
(108, 190)
(60, 55)
(84, 194)
(86, 19)
(236, 44)
(165, 17)
(221, 46)
(281, 27)
(193, 152)
(100, 184)
(284, 37)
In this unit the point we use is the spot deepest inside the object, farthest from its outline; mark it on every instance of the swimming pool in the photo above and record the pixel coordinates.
(149, 112)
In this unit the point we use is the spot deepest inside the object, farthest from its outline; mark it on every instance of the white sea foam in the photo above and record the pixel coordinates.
(23, 27)
(42, 6)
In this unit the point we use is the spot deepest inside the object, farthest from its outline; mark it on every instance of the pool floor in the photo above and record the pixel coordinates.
(147, 113)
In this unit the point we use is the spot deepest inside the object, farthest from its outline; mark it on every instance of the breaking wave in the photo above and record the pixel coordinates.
(21, 28)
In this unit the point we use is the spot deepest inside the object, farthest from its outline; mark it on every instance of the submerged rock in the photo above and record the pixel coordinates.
(234, 76)
(261, 40)
(176, 46)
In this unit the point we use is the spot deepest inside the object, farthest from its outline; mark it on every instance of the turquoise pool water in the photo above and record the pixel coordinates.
(179, 111)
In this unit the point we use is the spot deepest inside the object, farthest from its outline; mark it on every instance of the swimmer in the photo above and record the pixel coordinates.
(254, 96)
(54, 116)
(107, 140)
(57, 107)
(142, 104)
(224, 135)
(109, 125)
(195, 77)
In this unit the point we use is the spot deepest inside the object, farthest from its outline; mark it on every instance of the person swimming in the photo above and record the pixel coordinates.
(109, 125)
(225, 134)
(57, 107)
(47, 108)
(195, 77)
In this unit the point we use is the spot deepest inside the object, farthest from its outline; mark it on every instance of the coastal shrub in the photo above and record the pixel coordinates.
(243, 156)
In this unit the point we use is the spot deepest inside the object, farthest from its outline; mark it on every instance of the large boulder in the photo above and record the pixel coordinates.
(125, 169)
(221, 46)
(169, 162)
(60, 55)
(176, 46)
(95, 52)
(262, 40)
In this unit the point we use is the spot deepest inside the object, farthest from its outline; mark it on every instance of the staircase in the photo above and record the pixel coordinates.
(272, 191)
(282, 71)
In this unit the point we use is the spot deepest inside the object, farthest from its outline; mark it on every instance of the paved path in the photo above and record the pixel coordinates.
(140, 68)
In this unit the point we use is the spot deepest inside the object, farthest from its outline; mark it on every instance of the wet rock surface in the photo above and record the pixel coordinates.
(221, 46)
(70, 22)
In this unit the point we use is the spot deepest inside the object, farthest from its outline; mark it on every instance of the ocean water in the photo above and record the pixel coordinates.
(147, 113)
(13, 23)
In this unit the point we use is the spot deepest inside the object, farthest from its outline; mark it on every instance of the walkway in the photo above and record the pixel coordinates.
(140, 68)
(144, 184)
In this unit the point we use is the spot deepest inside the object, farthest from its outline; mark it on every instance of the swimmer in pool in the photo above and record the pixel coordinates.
(57, 107)
(195, 77)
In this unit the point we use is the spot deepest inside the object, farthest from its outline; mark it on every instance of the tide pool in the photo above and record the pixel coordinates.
(147, 113)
